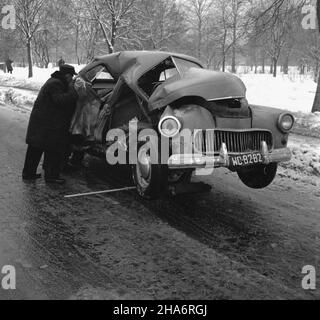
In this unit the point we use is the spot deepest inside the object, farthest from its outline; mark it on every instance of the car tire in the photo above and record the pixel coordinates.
(258, 177)
(150, 179)
(175, 177)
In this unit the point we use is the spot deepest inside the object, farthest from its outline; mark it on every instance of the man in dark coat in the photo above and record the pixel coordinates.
(9, 63)
(48, 130)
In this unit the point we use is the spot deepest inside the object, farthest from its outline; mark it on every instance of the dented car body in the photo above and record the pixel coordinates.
(173, 94)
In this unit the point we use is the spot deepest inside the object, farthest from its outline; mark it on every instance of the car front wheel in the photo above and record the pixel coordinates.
(258, 177)
(150, 179)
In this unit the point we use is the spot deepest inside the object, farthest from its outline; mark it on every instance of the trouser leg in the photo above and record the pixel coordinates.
(33, 157)
(52, 164)
(77, 158)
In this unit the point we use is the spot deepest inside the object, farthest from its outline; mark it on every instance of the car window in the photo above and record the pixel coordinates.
(167, 69)
(167, 74)
(154, 77)
(99, 73)
(104, 75)
(184, 65)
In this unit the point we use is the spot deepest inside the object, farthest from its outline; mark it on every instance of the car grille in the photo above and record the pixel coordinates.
(210, 141)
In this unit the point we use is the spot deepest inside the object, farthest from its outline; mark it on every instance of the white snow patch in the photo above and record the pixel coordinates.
(307, 124)
(305, 163)
(288, 92)
(19, 78)
(19, 98)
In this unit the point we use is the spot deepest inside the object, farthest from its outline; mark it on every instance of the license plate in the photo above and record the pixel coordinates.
(246, 160)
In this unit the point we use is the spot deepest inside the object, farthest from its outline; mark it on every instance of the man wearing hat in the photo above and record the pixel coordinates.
(48, 130)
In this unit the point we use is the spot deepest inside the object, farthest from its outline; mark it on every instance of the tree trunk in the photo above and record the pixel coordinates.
(234, 44)
(30, 60)
(224, 50)
(77, 43)
(199, 45)
(275, 65)
(286, 66)
(223, 62)
(263, 64)
(316, 72)
(233, 63)
(316, 103)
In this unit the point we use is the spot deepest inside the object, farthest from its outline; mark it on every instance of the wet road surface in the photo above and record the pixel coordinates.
(231, 243)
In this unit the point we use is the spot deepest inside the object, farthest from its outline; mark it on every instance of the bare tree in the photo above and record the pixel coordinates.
(199, 15)
(237, 25)
(113, 17)
(158, 22)
(276, 38)
(222, 14)
(29, 14)
(85, 31)
(41, 47)
(316, 103)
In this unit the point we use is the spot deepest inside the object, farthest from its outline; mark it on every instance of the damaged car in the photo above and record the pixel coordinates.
(170, 94)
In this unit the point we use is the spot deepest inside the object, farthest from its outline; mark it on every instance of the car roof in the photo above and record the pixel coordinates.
(120, 62)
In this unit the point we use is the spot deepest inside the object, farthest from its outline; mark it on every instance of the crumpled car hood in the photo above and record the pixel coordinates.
(210, 85)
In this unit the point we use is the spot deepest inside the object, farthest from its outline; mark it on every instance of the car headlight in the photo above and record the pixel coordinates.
(169, 126)
(286, 122)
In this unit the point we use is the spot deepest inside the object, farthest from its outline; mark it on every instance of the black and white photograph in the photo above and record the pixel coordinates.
(160, 150)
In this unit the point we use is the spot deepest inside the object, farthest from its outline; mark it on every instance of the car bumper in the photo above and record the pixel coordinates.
(198, 161)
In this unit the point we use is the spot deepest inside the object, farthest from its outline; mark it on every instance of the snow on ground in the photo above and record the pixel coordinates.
(18, 90)
(305, 162)
(289, 92)
(307, 124)
(23, 99)
(19, 78)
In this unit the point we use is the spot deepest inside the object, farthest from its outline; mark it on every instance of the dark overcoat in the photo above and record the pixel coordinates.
(9, 65)
(51, 115)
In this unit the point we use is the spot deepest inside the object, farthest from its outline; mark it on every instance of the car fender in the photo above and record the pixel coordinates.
(267, 118)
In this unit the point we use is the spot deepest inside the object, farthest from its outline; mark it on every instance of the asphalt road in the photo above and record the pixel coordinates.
(233, 243)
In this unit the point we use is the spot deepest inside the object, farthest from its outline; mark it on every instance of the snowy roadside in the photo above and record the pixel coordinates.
(305, 163)
(307, 124)
(305, 142)
(9, 81)
(19, 98)
(291, 92)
